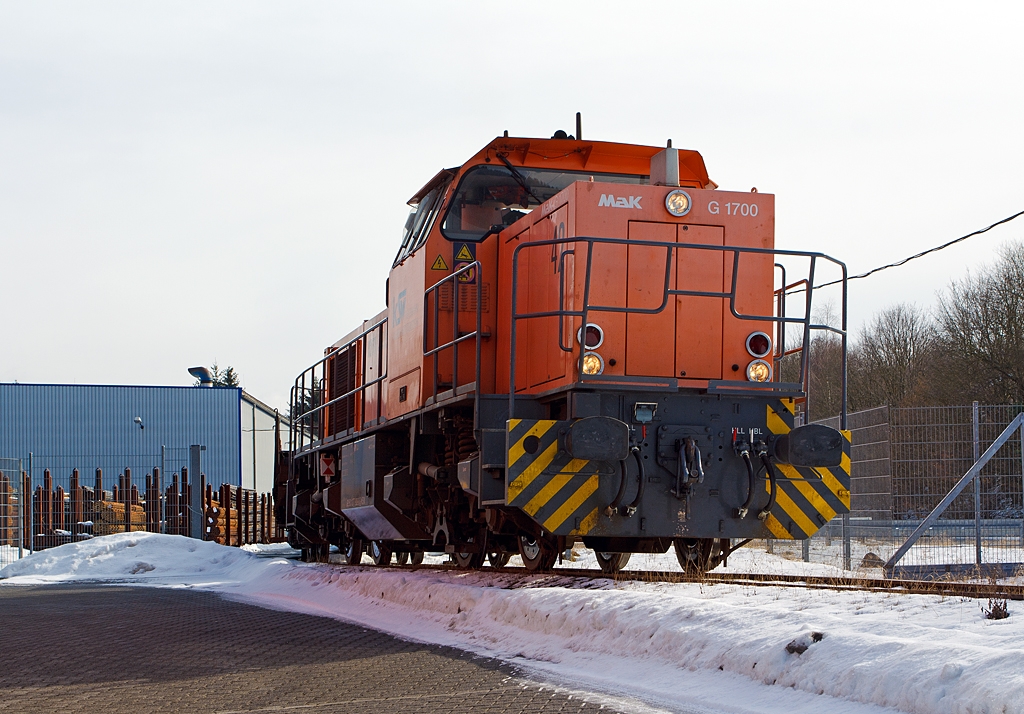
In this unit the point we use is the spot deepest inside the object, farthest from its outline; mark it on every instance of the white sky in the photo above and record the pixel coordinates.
(187, 182)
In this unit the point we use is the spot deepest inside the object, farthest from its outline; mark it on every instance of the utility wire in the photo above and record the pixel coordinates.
(919, 255)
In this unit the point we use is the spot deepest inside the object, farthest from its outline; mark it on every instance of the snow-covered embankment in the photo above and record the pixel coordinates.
(680, 644)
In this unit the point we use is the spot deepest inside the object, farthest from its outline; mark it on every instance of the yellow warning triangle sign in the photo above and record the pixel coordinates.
(439, 264)
(464, 253)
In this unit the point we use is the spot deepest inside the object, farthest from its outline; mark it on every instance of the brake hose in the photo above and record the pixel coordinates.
(742, 512)
(613, 507)
(766, 511)
(631, 508)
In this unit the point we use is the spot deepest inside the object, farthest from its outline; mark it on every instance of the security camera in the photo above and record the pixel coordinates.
(138, 420)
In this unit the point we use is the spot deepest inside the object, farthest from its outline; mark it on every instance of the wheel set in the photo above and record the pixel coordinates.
(695, 555)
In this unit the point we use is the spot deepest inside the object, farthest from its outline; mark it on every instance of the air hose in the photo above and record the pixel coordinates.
(631, 508)
(613, 507)
(766, 511)
(743, 510)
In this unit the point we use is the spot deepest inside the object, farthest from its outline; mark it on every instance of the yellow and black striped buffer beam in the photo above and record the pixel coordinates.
(807, 498)
(557, 491)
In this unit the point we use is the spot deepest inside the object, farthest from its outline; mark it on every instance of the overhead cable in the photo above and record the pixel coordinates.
(922, 253)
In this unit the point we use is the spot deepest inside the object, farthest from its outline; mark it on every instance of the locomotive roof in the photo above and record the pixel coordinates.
(596, 156)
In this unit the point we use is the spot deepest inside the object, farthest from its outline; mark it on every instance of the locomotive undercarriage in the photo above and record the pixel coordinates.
(695, 470)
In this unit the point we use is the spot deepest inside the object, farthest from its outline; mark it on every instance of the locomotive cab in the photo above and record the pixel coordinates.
(583, 341)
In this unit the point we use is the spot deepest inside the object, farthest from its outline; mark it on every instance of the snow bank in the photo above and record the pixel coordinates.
(674, 644)
(134, 557)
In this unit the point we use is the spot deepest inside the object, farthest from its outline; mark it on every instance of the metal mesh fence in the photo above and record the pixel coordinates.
(11, 509)
(932, 448)
(50, 500)
(904, 461)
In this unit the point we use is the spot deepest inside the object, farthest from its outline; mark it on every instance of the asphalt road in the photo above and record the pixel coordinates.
(96, 648)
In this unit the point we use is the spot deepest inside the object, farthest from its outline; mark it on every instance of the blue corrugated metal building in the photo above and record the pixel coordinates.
(116, 427)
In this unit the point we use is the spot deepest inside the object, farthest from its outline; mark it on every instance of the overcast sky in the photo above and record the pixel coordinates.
(189, 182)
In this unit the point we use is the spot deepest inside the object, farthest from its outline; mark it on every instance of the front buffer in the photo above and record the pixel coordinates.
(682, 467)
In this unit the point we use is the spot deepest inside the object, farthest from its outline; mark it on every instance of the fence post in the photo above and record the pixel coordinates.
(184, 505)
(977, 487)
(239, 515)
(31, 510)
(160, 489)
(195, 468)
(125, 480)
(21, 514)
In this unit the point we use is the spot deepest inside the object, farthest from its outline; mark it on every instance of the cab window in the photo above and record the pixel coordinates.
(491, 197)
(419, 222)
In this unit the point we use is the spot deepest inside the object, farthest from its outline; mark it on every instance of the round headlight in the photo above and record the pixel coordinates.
(759, 371)
(678, 202)
(595, 336)
(759, 344)
(592, 363)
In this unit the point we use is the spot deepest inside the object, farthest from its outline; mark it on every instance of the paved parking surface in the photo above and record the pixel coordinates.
(86, 648)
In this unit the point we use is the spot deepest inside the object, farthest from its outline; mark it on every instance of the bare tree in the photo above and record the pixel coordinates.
(825, 361)
(981, 328)
(889, 363)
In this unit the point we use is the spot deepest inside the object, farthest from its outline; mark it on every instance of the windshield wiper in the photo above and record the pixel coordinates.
(518, 177)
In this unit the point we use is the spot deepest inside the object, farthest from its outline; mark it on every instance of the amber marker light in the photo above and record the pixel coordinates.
(759, 371)
(678, 203)
(592, 363)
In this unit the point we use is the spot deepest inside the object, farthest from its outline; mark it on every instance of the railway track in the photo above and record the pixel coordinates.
(576, 576)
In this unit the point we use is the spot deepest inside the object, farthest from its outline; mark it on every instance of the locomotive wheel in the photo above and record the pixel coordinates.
(473, 561)
(611, 562)
(380, 553)
(498, 560)
(354, 552)
(416, 558)
(402, 557)
(536, 556)
(469, 561)
(697, 555)
(315, 554)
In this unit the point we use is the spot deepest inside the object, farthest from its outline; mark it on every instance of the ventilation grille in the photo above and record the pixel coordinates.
(467, 297)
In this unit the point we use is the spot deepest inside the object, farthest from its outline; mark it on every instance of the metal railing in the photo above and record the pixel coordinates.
(307, 403)
(434, 348)
(671, 383)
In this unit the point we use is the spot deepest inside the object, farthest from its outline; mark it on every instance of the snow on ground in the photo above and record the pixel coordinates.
(672, 645)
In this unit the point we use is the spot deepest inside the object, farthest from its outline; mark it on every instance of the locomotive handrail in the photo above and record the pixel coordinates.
(457, 338)
(667, 291)
(780, 348)
(298, 423)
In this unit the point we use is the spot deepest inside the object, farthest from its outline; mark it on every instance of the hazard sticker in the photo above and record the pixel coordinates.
(327, 466)
(464, 256)
(439, 264)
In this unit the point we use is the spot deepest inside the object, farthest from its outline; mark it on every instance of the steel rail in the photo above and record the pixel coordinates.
(943, 588)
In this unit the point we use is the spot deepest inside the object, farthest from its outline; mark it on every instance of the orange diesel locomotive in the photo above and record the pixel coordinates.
(582, 342)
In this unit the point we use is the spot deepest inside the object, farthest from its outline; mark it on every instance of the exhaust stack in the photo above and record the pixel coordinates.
(203, 375)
